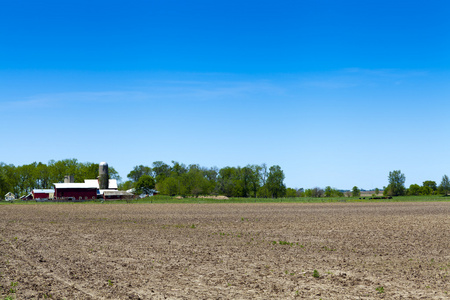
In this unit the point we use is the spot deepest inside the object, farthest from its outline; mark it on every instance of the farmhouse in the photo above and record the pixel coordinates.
(10, 196)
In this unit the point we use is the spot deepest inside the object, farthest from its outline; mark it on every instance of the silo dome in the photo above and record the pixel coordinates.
(103, 163)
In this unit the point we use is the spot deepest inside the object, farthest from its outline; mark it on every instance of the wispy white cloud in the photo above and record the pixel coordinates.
(49, 100)
(169, 90)
(217, 87)
(358, 77)
(388, 73)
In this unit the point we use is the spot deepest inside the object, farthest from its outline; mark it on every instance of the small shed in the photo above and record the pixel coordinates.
(27, 197)
(43, 193)
(114, 194)
(10, 196)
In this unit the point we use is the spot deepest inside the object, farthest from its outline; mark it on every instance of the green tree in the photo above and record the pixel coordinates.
(4, 188)
(263, 192)
(356, 192)
(160, 170)
(275, 182)
(291, 193)
(328, 191)
(414, 190)
(444, 187)
(426, 190)
(145, 184)
(127, 185)
(377, 191)
(170, 186)
(332, 192)
(226, 181)
(431, 184)
(138, 171)
(316, 192)
(396, 185)
(178, 169)
(254, 179)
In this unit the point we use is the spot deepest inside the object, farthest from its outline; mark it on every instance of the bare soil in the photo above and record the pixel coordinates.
(225, 251)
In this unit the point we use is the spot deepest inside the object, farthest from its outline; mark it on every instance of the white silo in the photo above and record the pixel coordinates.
(103, 176)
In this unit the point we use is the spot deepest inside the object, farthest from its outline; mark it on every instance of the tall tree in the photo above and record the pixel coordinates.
(138, 171)
(275, 182)
(178, 169)
(170, 186)
(356, 192)
(4, 188)
(431, 184)
(445, 185)
(328, 191)
(396, 185)
(161, 170)
(145, 184)
(254, 179)
(414, 190)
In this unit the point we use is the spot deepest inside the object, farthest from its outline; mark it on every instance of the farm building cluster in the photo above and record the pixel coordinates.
(90, 189)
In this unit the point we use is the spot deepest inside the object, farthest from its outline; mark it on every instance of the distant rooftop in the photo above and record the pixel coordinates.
(87, 184)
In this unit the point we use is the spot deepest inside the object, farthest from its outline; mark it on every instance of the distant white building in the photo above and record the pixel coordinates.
(10, 197)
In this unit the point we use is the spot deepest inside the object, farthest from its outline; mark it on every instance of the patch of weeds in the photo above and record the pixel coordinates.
(316, 274)
(13, 284)
(110, 283)
(9, 298)
(193, 226)
(297, 293)
(47, 296)
(285, 243)
(328, 249)
(380, 289)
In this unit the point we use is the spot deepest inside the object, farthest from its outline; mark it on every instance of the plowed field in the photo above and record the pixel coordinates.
(225, 251)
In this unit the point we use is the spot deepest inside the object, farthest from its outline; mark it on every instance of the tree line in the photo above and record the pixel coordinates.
(258, 181)
(21, 180)
(396, 186)
(194, 180)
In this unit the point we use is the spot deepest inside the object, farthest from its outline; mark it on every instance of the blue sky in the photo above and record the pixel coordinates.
(337, 93)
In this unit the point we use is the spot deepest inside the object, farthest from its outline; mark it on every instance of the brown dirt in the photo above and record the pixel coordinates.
(225, 251)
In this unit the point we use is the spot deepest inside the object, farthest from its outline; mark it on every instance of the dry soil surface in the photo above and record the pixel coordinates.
(225, 251)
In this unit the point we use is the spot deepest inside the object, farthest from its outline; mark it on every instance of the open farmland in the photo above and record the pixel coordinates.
(226, 251)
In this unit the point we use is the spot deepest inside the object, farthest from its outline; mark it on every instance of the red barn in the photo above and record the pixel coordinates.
(76, 191)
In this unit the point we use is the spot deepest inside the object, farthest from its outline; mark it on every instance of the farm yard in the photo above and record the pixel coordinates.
(225, 251)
